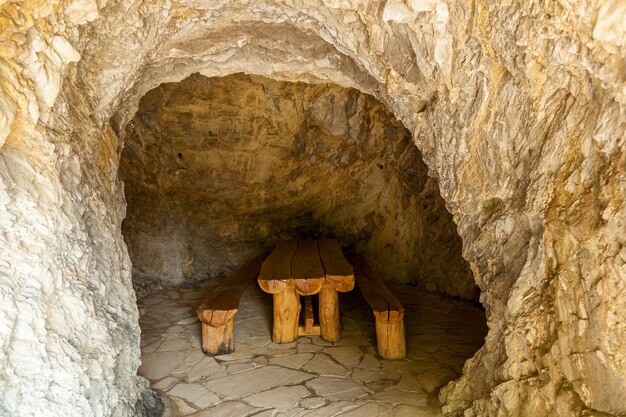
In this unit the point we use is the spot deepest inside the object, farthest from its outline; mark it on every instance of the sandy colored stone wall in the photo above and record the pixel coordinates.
(217, 170)
(68, 318)
(518, 108)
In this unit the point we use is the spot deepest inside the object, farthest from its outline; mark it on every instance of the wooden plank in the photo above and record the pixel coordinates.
(332, 258)
(388, 311)
(222, 301)
(315, 331)
(338, 270)
(224, 298)
(377, 303)
(379, 287)
(276, 270)
(278, 264)
(306, 263)
(306, 268)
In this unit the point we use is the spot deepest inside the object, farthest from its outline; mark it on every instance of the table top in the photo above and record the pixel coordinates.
(308, 265)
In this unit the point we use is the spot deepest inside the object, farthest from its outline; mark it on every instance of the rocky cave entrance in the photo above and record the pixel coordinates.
(517, 107)
(217, 170)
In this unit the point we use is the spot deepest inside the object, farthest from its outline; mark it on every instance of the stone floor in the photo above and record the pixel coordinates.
(309, 377)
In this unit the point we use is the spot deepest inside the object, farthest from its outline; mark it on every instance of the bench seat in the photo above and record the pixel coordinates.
(388, 310)
(217, 310)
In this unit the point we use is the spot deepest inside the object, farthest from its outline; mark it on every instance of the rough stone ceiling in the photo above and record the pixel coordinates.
(216, 170)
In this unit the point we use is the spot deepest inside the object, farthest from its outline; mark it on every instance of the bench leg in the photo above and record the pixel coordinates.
(218, 340)
(329, 314)
(390, 339)
(286, 315)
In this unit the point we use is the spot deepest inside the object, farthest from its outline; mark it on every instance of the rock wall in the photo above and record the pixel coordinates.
(68, 320)
(518, 108)
(217, 170)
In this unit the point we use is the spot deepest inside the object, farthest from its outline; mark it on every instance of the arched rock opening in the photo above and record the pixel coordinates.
(517, 108)
(217, 170)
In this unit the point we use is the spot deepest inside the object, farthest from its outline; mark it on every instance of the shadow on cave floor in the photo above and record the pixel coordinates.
(309, 377)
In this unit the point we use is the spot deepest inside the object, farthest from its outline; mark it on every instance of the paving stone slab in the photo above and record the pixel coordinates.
(395, 396)
(347, 356)
(279, 398)
(368, 375)
(165, 383)
(235, 368)
(322, 364)
(308, 347)
(152, 347)
(336, 389)
(271, 353)
(172, 344)
(182, 407)
(369, 410)
(158, 365)
(205, 369)
(369, 361)
(294, 361)
(409, 383)
(228, 409)
(404, 410)
(256, 380)
(312, 403)
(382, 385)
(330, 410)
(196, 394)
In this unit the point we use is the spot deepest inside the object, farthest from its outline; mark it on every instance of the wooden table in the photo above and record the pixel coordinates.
(304, 268)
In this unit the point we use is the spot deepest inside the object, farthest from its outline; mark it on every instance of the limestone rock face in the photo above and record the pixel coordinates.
(217, 170)
(519, 111)
(68, 319)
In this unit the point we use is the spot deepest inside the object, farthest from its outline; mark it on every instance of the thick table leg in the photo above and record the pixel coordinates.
(218, 340)
(329, 314)
(390, 338)
(286, 314)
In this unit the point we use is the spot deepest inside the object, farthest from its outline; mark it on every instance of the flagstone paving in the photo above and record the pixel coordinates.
(309, 377)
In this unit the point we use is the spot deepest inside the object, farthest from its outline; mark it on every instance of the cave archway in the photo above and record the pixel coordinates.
(218, 170)
(535, 192)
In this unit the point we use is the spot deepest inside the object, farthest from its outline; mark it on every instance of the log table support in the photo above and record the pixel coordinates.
(305, 268)
(286, 314)
(219, 340)
(390, 339)
(329, 314)
(339, 276)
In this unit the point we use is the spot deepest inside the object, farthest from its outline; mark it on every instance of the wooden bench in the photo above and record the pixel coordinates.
(388, 310)
(217, 310)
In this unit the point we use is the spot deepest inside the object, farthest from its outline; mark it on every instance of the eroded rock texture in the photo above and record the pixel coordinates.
(518, 108)
(217, 170)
